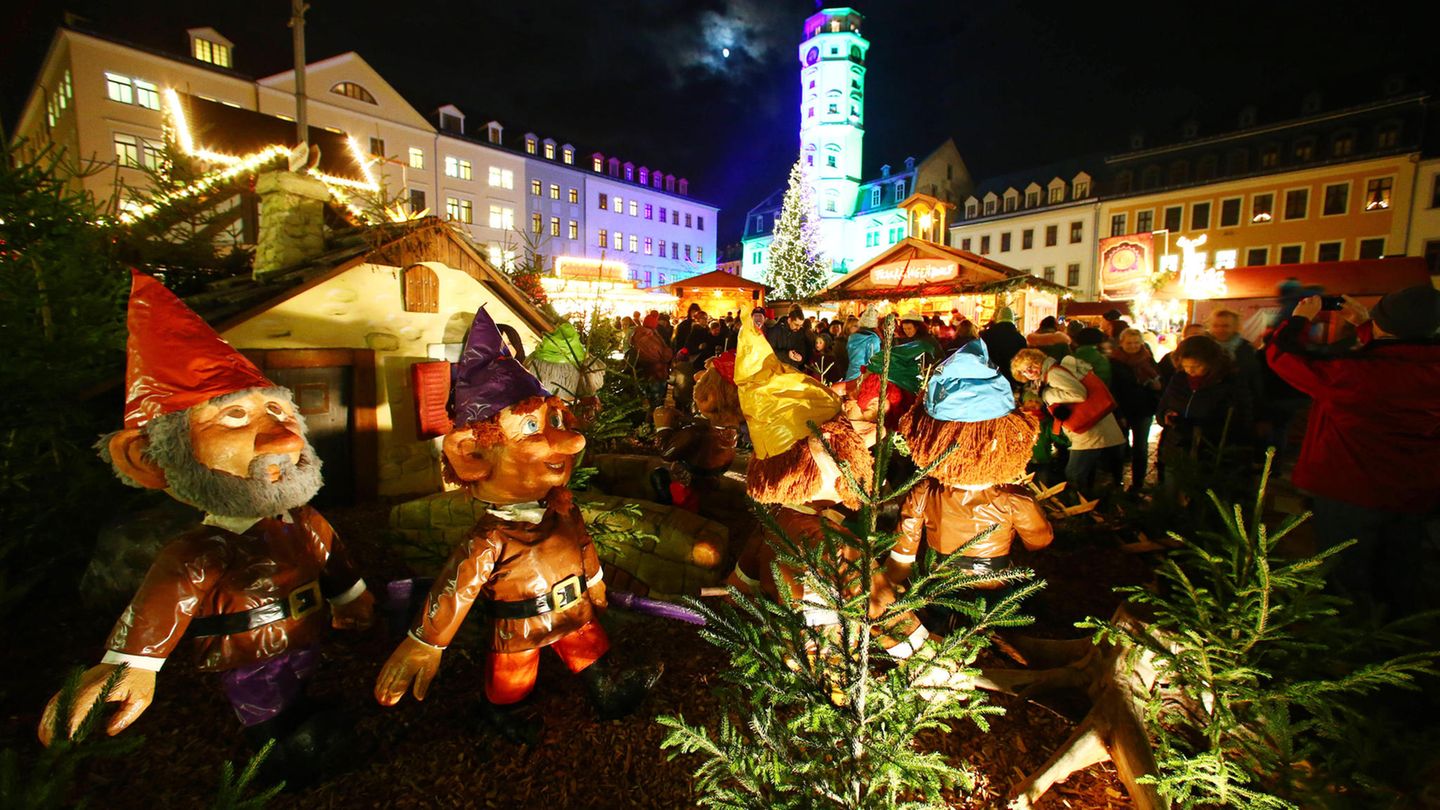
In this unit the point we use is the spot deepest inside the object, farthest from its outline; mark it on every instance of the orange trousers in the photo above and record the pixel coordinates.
(509, 677)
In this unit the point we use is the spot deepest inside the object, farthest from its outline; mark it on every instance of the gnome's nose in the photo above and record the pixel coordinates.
(568, 442)
(279, 438)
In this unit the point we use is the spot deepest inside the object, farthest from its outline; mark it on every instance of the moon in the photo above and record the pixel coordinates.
(725, 52)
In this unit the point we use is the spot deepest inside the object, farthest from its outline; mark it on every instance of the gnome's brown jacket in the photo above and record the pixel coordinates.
(950, 517)
(210, 570)
(509, 561)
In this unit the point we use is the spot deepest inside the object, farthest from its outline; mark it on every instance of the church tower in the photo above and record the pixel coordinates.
(832, 113)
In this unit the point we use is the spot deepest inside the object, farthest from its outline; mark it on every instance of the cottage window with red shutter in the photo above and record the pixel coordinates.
(422, 290)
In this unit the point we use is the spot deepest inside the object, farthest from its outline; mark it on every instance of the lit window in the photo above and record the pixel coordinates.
(634, 243)
(535, 222)
(619, 240)
(634, 209)
(603, 200)
(549, 151)
(535, 187)
(603, 238)
(1117, 225)
(619, 205)
(455, 167)
(147, 95)
(1262, 208)
(213, 52)
(568, 155)
(529, 146)
(1377, 194)
(649, 246)
(502, 178)
(417, 158)
(573, 195)
(699, 253)
(649, 211)
(502, 217)
(554, 226)
(119, 88)
(1057, 194)
(127, 150)
(574, 229)
(1144, 221)
(459, 209)
(151, 155)
(554, 191)
(353, 90)
(875, 197)
(596, 164)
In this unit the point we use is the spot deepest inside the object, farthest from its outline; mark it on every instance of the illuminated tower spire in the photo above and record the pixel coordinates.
(832, 108)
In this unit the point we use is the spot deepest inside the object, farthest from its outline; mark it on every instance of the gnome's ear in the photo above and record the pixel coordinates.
(461, 448)
(127, 453)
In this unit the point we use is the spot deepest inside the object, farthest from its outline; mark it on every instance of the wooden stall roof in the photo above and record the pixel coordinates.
(714, 279)
(234, 131)
(975, 274)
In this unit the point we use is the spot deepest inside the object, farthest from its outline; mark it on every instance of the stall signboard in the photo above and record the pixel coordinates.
(916, 271)
(1126, 265)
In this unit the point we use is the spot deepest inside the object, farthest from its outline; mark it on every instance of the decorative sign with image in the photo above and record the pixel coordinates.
(1126, 264)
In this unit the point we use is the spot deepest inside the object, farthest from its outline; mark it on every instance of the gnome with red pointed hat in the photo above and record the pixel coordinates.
(529, 560)
(249, 585)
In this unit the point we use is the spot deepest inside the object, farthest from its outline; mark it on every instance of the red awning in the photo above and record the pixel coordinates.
(1357, 277)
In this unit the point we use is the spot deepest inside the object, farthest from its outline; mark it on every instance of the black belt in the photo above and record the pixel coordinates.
(985, 565)
(298, 604)
(565, 594)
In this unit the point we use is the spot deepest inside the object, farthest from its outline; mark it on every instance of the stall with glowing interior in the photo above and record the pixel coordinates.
(717, 293)
(916, 276)
(579, 286)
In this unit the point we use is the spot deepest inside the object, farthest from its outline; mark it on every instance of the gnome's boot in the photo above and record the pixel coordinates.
(510, 721)
(660, 485)
(615, 693)
(313, 742)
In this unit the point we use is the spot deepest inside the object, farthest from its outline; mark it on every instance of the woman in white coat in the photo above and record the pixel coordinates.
(1060, 383)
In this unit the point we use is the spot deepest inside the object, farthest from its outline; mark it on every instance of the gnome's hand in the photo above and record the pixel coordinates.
(134, 692)
(357, 614)
(412, 662)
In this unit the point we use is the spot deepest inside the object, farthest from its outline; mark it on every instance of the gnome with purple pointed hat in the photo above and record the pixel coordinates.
(529, 559)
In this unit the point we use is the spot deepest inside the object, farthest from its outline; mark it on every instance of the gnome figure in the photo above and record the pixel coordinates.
(249, 585)
(701, 451)
(529, 559)
(792, 469)
(968, 405)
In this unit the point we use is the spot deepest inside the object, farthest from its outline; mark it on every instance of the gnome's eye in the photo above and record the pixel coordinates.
(557, 419)
(530, 427)
(234, 417)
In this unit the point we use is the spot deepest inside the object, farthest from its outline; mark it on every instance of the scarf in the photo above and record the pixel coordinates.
(1142, 363)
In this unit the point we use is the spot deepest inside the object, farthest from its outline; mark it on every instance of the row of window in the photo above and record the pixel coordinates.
(1072, 274)
(533, 147)
(1335, 201)
(616, 240)
(1341, 144)
(992, 204)
(1027, 238)
(874, 238)
(616, 203)
(572, 194)
(657, 179)
(537, 226)
(130, 90)
(59, 99)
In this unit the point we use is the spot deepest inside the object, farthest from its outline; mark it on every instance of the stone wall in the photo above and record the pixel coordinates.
(688, 552)
(292, 221)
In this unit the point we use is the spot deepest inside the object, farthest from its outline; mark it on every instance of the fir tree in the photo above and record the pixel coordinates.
(795, 268)
(822, 717)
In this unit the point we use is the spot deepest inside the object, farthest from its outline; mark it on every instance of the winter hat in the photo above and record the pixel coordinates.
(1412, 313)
(870, 318)
(724, 363)
(487, 378)
(904, 365)
(966, 388)
(1005, 314)
(173, 359)
(1090, 336)
(652, 320)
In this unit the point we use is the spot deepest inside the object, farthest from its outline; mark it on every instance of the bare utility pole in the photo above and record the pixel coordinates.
(297, 31)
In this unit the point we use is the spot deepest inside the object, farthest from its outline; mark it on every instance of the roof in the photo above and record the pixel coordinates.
(1356, 277)
(975, 274)
(229, 302)
(1040, 175)
(714, 279)
(234, 131)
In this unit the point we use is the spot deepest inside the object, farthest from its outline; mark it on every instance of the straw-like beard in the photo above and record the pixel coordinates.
(220, 493)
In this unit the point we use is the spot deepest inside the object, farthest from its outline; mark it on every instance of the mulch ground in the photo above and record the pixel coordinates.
(433, 754)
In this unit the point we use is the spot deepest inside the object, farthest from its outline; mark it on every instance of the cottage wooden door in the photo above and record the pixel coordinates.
(323, 397)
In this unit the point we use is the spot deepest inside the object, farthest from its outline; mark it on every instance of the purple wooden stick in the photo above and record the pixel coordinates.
(654, 607)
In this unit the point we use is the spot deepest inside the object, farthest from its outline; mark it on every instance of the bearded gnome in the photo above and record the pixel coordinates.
(968, 406)
(249, 584)
(698, 452)
(529, 559)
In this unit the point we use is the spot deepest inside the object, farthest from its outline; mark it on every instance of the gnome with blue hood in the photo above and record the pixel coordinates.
(968, 405)
(529, 559)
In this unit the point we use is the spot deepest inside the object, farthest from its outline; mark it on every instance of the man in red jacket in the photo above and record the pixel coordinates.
(1372, 437)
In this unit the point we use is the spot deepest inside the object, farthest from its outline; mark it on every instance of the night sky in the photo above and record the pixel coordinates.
(1016, 84)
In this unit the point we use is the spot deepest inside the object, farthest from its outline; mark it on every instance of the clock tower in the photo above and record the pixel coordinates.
(832, 119)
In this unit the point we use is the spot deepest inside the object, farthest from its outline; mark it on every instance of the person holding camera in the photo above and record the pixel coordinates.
(1372, 435)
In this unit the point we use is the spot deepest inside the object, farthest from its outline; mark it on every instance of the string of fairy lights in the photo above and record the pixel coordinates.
(178, 129)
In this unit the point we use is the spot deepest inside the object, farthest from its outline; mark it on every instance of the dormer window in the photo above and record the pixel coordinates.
(644, 176)
(597, 162)
(567, 154)
(493, 131)
(1082, 189)
(206, 45)
(989, 206)
(1057, 194)
(549, 151)
(355, 91)
(1032, 197)
(530, 144)
(875, 197)
(971, 209)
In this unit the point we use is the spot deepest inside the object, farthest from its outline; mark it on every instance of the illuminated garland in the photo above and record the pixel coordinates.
(237, 165)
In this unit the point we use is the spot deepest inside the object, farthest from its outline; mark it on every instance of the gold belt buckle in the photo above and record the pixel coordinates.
(565, 593)
(304, 600)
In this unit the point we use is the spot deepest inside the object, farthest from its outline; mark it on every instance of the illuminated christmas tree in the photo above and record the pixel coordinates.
(796, 268)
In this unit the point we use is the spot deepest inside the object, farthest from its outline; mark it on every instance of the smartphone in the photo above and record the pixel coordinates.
(1333, 303)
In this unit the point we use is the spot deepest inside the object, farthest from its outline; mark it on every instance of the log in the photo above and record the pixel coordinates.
(1117, 683)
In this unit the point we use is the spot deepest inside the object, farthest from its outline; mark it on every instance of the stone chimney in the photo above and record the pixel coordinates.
(292, 221)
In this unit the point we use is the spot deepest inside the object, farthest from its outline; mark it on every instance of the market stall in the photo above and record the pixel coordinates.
(717, 293)
(581, 286)
(933, 279)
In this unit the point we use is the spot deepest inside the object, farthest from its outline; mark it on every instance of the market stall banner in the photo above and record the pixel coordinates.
(1126, 265)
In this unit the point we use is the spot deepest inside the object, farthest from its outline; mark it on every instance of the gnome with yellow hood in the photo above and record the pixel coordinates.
(969, 406)
(792, 469)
